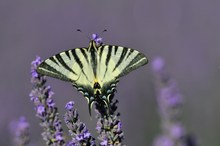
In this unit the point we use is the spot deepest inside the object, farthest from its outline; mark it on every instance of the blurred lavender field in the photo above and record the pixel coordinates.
(185, 33)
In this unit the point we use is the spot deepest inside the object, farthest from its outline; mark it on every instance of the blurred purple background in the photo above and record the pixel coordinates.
(185, 33)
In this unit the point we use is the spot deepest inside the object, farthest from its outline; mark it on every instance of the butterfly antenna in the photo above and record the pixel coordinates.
(105, 30)
(79, 30)
(101, 33)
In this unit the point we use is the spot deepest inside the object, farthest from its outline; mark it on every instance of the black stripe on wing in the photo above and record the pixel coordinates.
(83, 51)
(52, 59)
(116, 49)
(62, 62)
(67, 54)
(101, 48)
(122, 57)
(46, 69)
(78, 61)
(140, 58)
(108, 55)
(76, 58)
(130, 53)
(93, 58)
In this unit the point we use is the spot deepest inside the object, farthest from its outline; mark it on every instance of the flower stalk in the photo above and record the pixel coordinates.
(20, 132)
(170, 105)
(45, 107)
(77, 129)
(109, 127)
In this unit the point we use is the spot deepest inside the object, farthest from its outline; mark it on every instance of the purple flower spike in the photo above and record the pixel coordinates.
(97, 39)
(69, 105)
(169, 101)
(50, 102)
(104, 143)
(59, 137)
(86, 134)
(109, 127)
(34, 74)
(40, 110)
(71, 144)
(41, 96)
(20, 132)
(77, 129)
(34, 64)
(36, 79)
(94, 36)
(119, 126)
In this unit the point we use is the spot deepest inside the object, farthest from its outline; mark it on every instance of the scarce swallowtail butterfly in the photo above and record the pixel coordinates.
(93, 71)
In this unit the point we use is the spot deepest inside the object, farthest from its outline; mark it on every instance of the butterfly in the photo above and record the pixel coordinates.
(94, 71)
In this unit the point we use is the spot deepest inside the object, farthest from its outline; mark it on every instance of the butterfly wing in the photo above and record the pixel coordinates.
(115, 62)
(71, 65)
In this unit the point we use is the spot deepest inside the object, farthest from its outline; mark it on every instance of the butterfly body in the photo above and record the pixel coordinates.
(93, 71)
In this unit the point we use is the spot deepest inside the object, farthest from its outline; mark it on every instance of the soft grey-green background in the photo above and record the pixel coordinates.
(185, 32)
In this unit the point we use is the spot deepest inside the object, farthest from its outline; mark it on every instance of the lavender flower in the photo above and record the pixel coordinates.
(170, 102)
(97, 39)
(77, 130)
(20, 132)
(45, 107)
(109, 127)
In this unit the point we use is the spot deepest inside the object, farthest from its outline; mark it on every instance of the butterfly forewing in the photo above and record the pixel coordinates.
(117, 61)
(70, 66)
